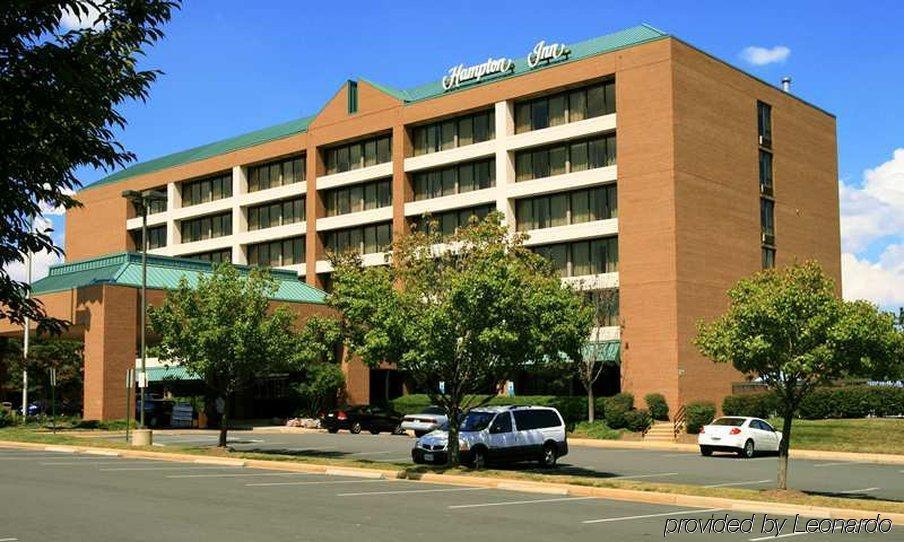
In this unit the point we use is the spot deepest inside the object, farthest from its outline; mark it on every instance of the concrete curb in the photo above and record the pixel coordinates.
(889, 459)
(507, 484)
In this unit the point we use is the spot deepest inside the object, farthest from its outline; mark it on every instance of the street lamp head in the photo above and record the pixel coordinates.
(132, 195)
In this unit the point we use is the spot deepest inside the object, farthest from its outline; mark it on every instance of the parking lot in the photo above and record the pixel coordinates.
(834, 478)
(52, 496)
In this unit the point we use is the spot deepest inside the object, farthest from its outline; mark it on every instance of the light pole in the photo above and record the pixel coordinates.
(141, 200)
(27, 333)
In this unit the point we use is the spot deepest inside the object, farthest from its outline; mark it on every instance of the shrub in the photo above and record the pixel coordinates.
(597, 430)
(638, 420)
(624, 399)
(759, 405)
(320, 388)
(699, 414)
(5, 418)
(659, 409)
(616, 414)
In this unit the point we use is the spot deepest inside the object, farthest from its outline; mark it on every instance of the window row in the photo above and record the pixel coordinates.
(767, 220)
(209, 189)
(206, 227)
(369, 152)
(564, 107)
(764, 123)
(768, 257)
(278, 213)
(358, 197)
(277, 173)
(565, 157)
(445, 223)
(580, 258)
(605, 306)
(562, 209)
(223, 255)
(287, 251)
(765, 172)
(454, 180)
(157, 205)
(452, 133)
(156, 237)
(362, 239)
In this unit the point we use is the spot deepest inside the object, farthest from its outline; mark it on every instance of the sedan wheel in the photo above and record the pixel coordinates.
(355, 428)
(748, 450)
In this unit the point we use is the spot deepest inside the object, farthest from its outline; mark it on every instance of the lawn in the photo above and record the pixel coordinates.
(875, 435)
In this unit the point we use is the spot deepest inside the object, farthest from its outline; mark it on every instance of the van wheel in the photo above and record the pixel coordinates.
(549, 457)
(706, 451)
(355, 428)
(748, 450)
(478, 459)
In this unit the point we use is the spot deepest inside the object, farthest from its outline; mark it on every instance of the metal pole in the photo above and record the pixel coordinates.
(130, 381)
(144, 283)
(27, 333)
(53, 384)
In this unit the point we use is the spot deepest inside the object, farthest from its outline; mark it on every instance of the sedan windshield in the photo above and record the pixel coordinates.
(733, 422)
(477, 421)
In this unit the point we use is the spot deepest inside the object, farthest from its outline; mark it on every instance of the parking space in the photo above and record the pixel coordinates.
(52, 497)
(832, 478)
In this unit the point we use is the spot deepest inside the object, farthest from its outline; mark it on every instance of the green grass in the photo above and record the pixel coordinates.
(597, 430)
(866, 435)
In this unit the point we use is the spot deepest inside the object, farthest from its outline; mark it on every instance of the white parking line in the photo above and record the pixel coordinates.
(400, 492)
(864, 490)
(97, 463)
(319, 482)
(241, 475)
(375, 453)
(728, 484)
(8, 539)
(515, 503)
(839, 463)
(116, 469)
(773, 537)
(646, 475)
(626, 518)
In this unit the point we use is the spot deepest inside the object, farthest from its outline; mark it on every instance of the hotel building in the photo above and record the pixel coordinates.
(634, 161)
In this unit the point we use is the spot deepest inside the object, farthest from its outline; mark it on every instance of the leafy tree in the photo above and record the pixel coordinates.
(590, 363)
(319, 344)
(59, 93)
(47, 352)
(458, 315)
(224, 331)
(789, 329)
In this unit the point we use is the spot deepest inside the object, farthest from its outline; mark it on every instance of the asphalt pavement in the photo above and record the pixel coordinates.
(50, 497)
(831, 478)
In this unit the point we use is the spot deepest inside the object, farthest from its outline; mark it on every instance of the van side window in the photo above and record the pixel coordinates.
(536, 419)
(502, 423)
(525, 420)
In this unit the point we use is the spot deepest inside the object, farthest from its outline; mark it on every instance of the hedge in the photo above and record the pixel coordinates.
(573, 408)
(698, 414)
(656, 404)
(824, 403)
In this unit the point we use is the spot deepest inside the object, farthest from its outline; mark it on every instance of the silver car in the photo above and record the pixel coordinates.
(425, 421)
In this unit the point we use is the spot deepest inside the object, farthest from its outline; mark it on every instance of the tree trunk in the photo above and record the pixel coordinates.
(591, 410)
(783, 448)
(452, 446)
(224, 422)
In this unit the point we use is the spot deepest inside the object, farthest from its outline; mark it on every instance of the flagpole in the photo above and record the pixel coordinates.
(27, 333)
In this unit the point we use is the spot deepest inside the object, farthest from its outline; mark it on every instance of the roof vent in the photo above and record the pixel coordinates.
(786, 84)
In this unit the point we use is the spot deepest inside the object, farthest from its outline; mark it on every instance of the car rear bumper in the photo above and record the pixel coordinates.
(726, 443)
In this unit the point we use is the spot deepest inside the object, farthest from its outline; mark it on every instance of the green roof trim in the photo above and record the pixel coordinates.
(169, 374)
(164, 273)
(608, 352)
(217, 148)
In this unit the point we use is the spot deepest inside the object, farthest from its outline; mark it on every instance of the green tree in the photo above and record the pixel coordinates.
(459, 315)
(591, 362)
(47, 352)
(223, 330)
(60, 88)
(789, 329)
(319, 344)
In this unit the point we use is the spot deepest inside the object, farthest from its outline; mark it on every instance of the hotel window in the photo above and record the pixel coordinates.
(565, 157)
(455, 132)
(368, 152)
(209, 189)
(764, 123)
(578, 258)
(599, 203)
(156, 205)
(276, 173)
(457, 179)
(768, 257)
(358, 197)
(447, 222)
(206, 227)
(214, 256)
(767, 219)
(156, 237)
(606, 303)
(277, 213)
(289, 251)
(564, 107)
(765, 172)
(362, 239)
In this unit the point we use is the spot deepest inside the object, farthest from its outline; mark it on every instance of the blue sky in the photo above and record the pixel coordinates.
(234, 66)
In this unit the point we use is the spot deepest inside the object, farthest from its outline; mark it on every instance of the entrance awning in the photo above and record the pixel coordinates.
(603, 351)
(164, 374)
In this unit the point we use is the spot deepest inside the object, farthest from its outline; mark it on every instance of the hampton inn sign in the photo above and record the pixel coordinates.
(542, 53)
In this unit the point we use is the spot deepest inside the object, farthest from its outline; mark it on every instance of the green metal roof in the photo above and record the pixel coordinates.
(174, 372)
(608, 352)
(164, 273)
(584, 49)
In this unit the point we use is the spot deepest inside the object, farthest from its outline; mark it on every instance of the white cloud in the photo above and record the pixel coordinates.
(40, 263)
(86, 18)
(48, 210)
(760, 56)
(874, 210)
(881, 282)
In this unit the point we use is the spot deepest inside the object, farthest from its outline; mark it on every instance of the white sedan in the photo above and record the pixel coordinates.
(425, 421)
(741, 435)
